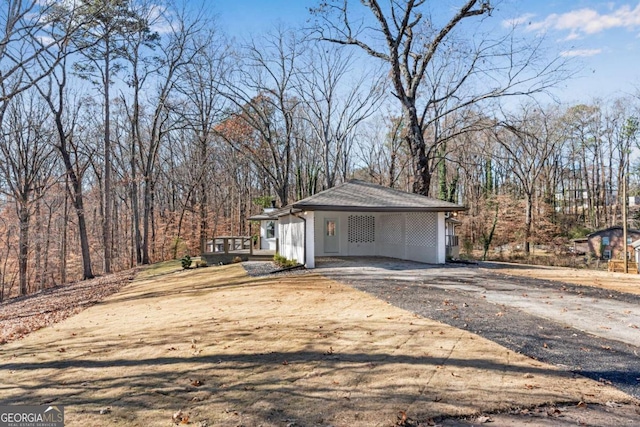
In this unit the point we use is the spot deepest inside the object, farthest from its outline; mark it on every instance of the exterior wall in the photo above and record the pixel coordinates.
(416, 236)
(291, 234)
(268, 243)
(615, 242)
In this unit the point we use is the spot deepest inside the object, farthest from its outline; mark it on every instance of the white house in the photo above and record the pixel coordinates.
(268, 228)
(359, 218)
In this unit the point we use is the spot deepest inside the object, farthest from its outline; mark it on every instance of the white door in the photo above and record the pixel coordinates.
(331, 239)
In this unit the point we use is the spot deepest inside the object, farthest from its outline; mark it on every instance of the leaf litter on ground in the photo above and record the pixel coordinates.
(22, 315)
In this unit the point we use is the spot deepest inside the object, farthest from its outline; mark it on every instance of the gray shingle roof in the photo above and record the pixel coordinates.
(365, 196)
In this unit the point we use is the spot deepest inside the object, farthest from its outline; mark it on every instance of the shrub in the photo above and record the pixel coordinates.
(236, 260)
(186, 262)
(283, 262)
(201, 264)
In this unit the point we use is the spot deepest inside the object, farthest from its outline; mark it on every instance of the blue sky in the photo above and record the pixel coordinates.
(602, 38)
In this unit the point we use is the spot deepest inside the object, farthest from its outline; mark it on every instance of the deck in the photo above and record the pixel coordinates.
(224, 249)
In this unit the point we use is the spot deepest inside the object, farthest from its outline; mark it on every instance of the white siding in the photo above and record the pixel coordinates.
(417, 236)
(291, 234)
(267, 243)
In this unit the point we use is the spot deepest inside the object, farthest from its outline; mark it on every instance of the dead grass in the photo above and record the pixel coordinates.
(231, 350)
(620, 282)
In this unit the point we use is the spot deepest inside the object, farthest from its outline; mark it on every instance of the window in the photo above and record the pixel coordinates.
(271, 229)
(331, 228)
(605, 240)
(606, 254)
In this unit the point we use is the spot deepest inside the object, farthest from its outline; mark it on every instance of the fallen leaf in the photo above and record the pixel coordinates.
(197, 383)
(483, 419)
(581, 405)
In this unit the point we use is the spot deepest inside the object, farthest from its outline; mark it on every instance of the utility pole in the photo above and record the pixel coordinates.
(624, 212)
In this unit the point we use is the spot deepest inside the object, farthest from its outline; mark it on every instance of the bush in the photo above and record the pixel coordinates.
(236, 260)
(201, 264)
(186, 262)
(283, 262)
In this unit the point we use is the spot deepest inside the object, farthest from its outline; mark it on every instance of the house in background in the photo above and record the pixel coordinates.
(608, 244)
(359, 218)
(268, 228)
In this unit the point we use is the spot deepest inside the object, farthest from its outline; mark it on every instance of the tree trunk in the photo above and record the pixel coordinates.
(527, 223)
(63, 243)
(23, 217)
(106, 224)
(146, 212)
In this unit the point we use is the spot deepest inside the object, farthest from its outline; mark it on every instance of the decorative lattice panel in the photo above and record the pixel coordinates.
(391, 229)
(422, 229)
(362, 229)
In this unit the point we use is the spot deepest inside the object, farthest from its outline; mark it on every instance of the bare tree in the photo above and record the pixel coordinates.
(26, 152)
(262, 88)
(336, 102)
(202, 109)
(32, 33)
(74, 154)
(476, 71)
(527, 140)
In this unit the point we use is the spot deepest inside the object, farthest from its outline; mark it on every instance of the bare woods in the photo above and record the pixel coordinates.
(133, 130)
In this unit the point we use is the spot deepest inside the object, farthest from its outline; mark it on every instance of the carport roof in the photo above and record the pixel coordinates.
(356, 195)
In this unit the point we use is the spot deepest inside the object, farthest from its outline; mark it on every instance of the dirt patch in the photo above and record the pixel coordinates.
(629, 283)
(226, 349)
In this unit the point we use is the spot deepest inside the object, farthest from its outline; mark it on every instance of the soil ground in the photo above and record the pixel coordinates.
(585, 330)
(214, 346)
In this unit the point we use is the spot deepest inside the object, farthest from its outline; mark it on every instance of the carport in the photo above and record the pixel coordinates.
(359, 218)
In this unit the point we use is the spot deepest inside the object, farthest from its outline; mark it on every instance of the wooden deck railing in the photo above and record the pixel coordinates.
(227, 244)
(617, 266)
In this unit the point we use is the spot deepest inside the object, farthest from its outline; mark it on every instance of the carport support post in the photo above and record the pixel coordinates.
(441, 243)
(310, 239)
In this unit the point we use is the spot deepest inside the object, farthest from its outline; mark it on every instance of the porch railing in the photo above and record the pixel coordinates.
(451, 241)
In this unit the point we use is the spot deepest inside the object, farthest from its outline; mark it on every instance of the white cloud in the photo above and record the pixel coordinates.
(520, 20)
(588, 21)
(580, 52)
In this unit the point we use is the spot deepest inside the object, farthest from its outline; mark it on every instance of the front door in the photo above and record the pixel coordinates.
(331, 239)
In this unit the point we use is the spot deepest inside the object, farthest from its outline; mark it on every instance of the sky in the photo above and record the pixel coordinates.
(600, 38)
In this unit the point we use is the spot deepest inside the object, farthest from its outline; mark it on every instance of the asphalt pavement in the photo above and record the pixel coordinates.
(590, 331)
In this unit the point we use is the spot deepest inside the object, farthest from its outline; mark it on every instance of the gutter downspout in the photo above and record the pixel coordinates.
(304, 251)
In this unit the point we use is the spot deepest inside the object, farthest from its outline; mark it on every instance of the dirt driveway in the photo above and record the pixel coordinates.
(214, 347)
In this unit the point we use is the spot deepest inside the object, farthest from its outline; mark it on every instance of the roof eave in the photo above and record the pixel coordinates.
(379, 208)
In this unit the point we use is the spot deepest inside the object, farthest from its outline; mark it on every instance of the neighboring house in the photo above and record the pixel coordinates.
(608, 244)
(268, 228)
(358, 218)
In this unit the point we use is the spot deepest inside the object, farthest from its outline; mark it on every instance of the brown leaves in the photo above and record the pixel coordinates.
(23, 316)
(180, 417)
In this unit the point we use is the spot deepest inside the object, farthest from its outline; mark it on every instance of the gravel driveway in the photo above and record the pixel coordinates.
(591, 331)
